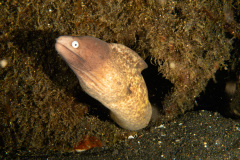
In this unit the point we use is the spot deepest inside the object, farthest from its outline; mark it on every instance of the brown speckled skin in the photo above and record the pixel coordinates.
(111, 73)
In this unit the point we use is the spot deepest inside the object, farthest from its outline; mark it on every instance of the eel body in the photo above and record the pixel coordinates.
(110, 73)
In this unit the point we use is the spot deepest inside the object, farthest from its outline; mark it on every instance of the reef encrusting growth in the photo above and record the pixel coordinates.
(185, 39)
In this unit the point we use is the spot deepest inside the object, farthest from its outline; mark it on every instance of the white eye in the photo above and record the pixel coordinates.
(75, 44)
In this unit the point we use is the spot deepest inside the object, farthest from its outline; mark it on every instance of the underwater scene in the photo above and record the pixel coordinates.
(120, 79)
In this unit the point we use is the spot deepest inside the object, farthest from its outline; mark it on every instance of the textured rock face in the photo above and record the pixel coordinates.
(111, 73)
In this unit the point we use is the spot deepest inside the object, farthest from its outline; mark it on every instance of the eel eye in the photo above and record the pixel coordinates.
(75, 44)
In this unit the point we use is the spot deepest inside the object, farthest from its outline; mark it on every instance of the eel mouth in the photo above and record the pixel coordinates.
(79, 67)
(73, 59)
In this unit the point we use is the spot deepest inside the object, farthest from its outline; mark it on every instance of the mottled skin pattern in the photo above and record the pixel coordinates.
(111, 73)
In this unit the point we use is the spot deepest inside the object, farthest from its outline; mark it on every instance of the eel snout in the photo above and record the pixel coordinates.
(80, 52)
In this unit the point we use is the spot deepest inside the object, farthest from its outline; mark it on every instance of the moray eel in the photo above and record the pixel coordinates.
(110, 73)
